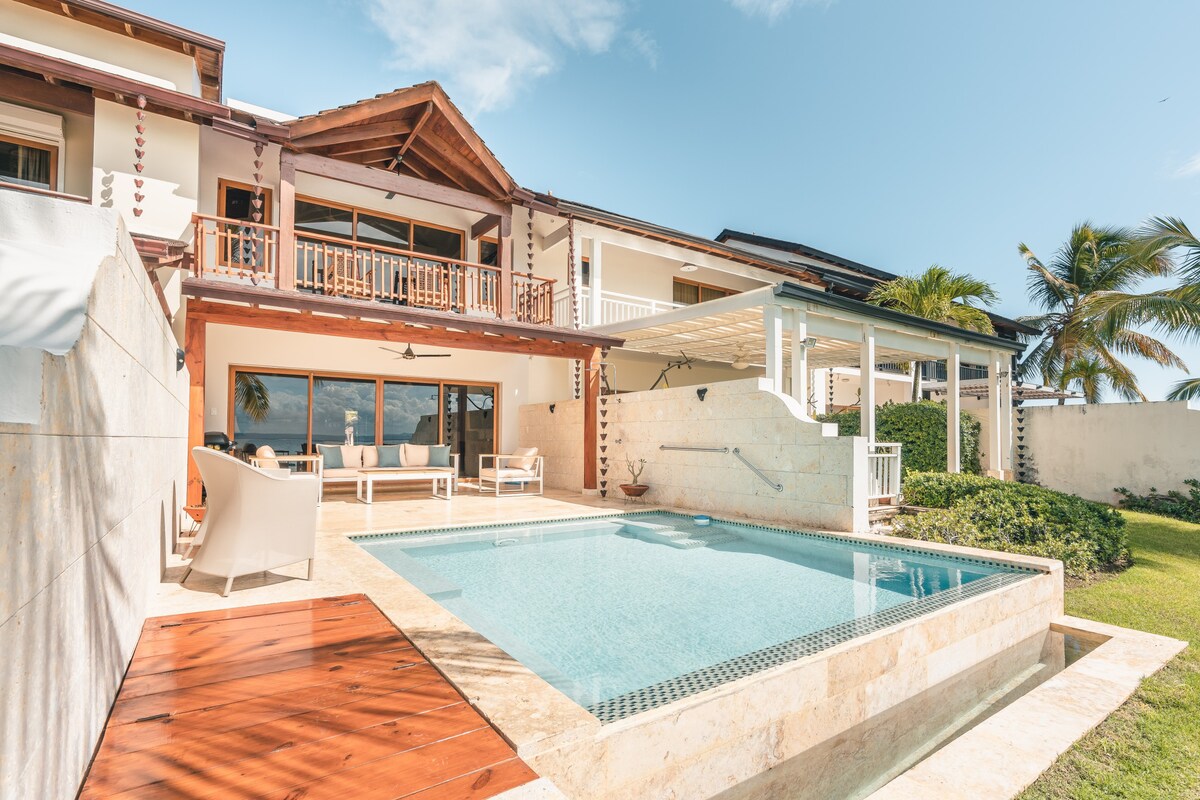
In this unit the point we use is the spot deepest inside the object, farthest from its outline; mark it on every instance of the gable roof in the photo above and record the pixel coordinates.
(416, 130)
(209, 53)
(847, 277)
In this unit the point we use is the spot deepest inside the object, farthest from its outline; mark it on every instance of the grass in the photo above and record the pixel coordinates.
(1150, 747)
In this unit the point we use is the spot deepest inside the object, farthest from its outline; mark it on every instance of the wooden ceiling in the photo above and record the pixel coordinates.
(209, 53)
(415, 131)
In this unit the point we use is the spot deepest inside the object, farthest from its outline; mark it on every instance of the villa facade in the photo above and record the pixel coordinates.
(309, 258)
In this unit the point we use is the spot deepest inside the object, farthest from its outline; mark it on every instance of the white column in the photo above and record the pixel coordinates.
(866, 382)
(1006, 414)
(995, 390)
(595, 267)
(799, 387)
(953, 409)
(773, 327)
(576, 267)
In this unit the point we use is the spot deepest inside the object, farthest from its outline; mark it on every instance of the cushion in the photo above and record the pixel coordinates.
(506, 472)
(340, 472)
(333, 456)
(526, 462)
(266, 457)
(370, 456)
(352, 455)
(439, 455)
(389, 455)
(415, 455)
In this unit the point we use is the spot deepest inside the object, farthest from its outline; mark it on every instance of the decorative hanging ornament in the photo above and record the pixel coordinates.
(139, 152)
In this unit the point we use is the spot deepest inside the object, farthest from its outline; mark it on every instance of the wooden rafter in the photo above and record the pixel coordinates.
(355, 133)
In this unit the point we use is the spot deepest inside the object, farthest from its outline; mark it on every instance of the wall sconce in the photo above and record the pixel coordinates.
(703, 390)
(552, 408)
(178, 359)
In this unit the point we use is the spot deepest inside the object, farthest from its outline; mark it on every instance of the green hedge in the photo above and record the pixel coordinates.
(975, 511)
(921, 428)
(1172, 504)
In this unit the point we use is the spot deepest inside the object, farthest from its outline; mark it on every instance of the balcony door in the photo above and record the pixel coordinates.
(469, 423)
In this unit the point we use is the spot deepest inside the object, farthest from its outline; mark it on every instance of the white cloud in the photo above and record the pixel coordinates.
(1190, 167)
(772, 9)
(488, 51)
(644, 45)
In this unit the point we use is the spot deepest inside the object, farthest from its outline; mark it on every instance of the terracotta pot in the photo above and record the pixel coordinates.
(634, 489)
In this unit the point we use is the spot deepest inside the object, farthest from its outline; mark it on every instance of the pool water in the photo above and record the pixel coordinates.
(605, 608)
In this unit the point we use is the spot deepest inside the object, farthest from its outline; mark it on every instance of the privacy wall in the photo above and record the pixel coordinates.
(823, 475)
(90, 482)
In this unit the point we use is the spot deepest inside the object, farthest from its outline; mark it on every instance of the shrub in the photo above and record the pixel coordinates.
(975, 511)
(1172, 504)
(921, 429)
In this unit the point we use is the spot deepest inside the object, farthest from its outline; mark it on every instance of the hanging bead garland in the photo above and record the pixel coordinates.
(256, 213)
(603, 378)
(573, 285)
(139, 151)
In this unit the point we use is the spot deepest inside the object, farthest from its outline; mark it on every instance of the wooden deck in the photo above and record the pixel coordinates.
(313, 699)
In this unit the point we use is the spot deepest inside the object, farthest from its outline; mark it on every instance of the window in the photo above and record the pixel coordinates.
(586, 272)
(489, 252)
(369, 227)
(28, 163)
(440, 242)
(343, 410)
(410, 412)
(272, 410)
(236, 201)
(689, 293)
(241, 244)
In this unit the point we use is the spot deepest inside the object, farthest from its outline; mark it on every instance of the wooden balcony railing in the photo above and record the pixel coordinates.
(232, 249)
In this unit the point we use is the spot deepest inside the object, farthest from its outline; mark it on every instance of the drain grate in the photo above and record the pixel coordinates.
(668, 691)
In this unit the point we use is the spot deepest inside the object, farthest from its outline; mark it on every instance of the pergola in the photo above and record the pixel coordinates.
(791, 330)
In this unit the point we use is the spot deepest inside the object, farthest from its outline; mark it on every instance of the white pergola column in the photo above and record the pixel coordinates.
(866, 381)
(595, 266)
(995, 421)
(1006, 415)
(953, 410)
(799, 387)
(773, 328)
(576, 268)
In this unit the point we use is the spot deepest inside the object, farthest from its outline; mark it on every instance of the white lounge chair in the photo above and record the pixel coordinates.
(521, 467)
(256, 519)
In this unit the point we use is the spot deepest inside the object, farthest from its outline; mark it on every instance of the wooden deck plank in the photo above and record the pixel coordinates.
(317, 699)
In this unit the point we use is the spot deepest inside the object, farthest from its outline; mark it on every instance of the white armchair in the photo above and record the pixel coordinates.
(520, 468)
(256, 519)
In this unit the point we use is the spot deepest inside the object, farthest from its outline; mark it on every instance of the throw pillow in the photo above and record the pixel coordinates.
(389, 455)
(370, 456)
(333, 455)
(439, 456)
(416, 455)
(352, 456)
(526, 462)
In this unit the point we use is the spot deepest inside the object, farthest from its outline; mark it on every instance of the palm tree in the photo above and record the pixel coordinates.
(1177, 310)
(251, 396)
(942, 296)
(1089, 309)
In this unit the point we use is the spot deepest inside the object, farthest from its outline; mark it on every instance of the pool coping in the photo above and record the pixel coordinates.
(1003, 755)
(680, 687)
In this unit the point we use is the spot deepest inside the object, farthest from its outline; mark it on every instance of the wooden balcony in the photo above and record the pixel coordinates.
(247, 253)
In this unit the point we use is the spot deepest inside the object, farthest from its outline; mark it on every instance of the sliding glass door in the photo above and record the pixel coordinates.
(272, 410)
(410, 413)
(469, 423)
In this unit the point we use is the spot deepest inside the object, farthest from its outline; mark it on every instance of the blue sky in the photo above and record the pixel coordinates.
(898, 134)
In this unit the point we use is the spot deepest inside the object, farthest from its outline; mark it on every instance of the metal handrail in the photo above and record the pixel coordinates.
(694, 449)
(737, 453)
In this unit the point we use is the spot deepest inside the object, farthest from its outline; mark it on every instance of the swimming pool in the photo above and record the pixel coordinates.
(626, 613)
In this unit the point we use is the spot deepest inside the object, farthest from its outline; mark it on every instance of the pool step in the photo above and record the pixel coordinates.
(685, 535)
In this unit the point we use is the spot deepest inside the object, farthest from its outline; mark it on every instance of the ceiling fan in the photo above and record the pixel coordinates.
(408, 355)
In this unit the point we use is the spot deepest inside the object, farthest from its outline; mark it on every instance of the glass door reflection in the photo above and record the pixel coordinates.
(469, 423)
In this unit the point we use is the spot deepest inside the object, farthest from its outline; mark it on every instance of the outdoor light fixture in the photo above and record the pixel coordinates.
(552, 408)
(703, 390)
(178, 359)
(739, 360)
(688, 268)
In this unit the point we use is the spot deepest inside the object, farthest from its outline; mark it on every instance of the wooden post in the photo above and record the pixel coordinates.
(866, 382)
(799, 387)
(193, 359)
(286, 266)
(591, 413)
(504, 258)
(953, 411)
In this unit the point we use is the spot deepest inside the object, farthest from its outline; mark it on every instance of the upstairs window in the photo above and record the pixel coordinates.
(689, 293)
(28, 163)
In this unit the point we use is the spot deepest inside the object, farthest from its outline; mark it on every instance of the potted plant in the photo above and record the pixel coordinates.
(635, 488)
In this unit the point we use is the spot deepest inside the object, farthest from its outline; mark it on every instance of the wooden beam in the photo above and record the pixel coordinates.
(286, 261)
(353, 134)
(450, 171)
(364, 146)
(400, 184)
(193, 359)
(299, 322)
(425, 114)
(362, 111)
(484, 225)
(591, 414)
(463, 128)
(23, 89)
(473, 170)
(504, 262)
(555, 237)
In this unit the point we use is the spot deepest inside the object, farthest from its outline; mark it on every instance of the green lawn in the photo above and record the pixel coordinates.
(1150, 747)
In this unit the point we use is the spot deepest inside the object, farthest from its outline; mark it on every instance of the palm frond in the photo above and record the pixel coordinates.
(1185, 390)
(252, 396)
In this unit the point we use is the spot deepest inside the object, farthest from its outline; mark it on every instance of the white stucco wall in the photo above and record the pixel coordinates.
(171, 170)
(1089, 450)
(823, 475)
(88, 499)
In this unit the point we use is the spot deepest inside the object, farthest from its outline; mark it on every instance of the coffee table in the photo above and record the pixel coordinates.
(373, 475)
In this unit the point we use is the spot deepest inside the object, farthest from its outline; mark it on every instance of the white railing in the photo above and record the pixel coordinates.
(883, 471)
(614, 307)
